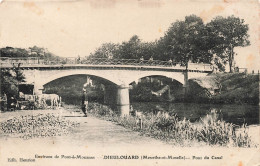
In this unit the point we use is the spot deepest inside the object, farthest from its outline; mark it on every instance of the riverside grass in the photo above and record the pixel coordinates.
(208, 131)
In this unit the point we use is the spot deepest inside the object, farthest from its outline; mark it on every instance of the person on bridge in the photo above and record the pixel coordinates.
(170, 62)
(150, 60)
(110, 56)
(142, 60)
(78, 60)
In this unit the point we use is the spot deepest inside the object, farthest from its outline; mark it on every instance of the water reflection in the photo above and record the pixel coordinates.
(237, 114)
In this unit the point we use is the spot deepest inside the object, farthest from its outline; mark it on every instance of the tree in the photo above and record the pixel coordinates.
(8, 83)
(37, 51)
(10, 79)
(130, 49)
(13, 52)
(186, 41)
(18, 74)
(147, 50)
(105, 50)
(226, 34)
(30, 52)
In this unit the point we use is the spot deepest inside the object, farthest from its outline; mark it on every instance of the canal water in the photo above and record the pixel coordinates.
(236, 114)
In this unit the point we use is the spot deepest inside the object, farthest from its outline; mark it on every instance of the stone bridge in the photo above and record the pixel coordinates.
(118, 75)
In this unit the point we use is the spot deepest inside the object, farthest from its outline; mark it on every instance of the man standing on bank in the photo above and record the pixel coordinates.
(84, 102)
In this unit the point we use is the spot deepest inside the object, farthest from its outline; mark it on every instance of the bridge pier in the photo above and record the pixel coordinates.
(186, 84)
(37, 81)
(123, 101)
(37, 89)
(117, 96)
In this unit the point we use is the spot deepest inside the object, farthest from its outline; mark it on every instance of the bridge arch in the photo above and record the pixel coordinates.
(175, 76)
(115, 89)
(59, 74)
(162, 76)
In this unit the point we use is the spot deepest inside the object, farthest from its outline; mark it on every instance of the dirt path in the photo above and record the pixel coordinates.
(97, 132)
(91, 132)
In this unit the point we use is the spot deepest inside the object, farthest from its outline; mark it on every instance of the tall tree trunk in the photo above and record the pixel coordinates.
(231, 59)
(230, 66)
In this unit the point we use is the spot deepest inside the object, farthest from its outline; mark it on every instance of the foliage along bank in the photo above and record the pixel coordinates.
(179, 132)
(236, 88)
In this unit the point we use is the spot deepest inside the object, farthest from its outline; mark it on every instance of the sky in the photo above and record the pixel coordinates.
(70, 28)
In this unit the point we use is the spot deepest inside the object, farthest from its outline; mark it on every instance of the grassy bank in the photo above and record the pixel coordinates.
(234, 88)
(179, 132)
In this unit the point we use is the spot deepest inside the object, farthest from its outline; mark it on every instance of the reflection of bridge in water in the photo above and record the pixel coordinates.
(118, 73)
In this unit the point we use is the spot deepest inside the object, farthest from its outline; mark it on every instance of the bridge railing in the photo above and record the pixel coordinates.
(21, 60)
(35, 61)
(101, 61)
(137, 62)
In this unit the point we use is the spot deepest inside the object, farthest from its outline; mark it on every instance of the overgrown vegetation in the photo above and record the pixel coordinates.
(9, 82)
(180, 132)
(239, 88)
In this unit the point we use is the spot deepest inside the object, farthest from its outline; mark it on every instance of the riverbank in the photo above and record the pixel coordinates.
(165, 127)
(209, 131)
(226, 88)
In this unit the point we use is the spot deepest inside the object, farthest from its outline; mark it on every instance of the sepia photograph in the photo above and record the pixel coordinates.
(129, 82)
